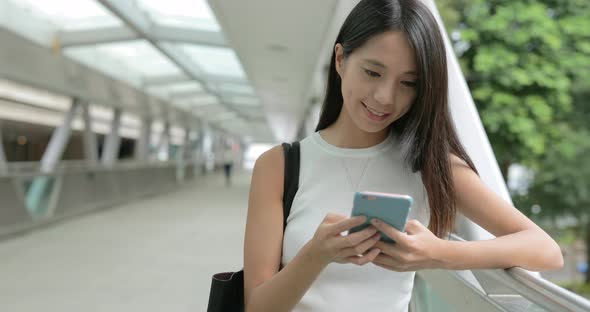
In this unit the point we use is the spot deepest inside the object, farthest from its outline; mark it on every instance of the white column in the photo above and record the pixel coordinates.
(207, 149)
(90, 145)
(142, 149)
(59, 140)
(164, 144)
(110, 151)
(196, 150)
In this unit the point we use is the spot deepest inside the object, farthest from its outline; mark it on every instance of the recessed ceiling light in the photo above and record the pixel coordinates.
(278, 48)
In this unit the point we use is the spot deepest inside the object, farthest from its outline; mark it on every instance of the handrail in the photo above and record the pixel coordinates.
(537, 289)
(25, 169)
(456, 292)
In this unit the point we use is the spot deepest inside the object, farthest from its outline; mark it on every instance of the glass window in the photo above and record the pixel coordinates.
(139, 55)
(71, 15)
(129, 61)
(170, 89)
(181, 13)
(215, 60)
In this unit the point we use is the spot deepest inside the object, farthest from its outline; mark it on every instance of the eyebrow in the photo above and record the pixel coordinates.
(379, 64)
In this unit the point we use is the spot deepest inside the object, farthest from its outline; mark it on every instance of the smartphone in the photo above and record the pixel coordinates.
(392, 209)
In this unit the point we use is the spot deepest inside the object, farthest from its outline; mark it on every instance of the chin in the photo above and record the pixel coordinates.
(372, 128)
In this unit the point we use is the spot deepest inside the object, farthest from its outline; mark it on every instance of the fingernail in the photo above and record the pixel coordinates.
(375, 221)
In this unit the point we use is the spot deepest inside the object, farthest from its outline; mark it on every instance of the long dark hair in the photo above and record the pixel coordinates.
(426, 130)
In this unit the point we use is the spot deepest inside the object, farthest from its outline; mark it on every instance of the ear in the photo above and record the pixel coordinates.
(339, 58)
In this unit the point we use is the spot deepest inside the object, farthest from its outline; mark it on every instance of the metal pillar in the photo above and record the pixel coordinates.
(111, 146)
(142, 149)
(182, 155)
(42, 185)
(187, 146)
(195, 150)
(90, 145)
(3, 164)
(59, 139)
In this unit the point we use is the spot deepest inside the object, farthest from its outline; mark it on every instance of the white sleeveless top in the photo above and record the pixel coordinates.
(326, 175)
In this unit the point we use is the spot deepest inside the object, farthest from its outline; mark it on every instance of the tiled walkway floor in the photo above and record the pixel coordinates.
(154, 254)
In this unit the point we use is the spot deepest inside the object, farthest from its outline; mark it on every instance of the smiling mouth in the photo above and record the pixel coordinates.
(375, 115)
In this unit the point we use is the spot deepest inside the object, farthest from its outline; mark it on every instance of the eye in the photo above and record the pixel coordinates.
(371, 73)
(410, 84)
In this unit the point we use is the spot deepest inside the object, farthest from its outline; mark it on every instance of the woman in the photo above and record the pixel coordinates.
(384, 127)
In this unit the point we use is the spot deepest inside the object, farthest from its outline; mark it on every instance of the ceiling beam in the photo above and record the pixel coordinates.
(187, 94)
(74, 38)
(164, 80)
(189, 35)
(172, 79)
(197, 93)
(226, 79)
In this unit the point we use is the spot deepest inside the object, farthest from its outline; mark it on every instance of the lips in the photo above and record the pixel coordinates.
(374, 114)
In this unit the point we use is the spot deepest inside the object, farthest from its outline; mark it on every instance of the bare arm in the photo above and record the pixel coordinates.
(519, 242)
(265, 289)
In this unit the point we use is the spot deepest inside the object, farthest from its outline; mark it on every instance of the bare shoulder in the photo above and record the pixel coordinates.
(463, 176)
(271, 159)
(457, 161)
(269, 169)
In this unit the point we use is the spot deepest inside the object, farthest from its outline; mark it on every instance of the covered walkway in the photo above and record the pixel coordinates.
(147, 255)
(115, 114)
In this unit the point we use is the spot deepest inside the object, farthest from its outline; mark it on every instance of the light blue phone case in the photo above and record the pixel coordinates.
(393, 209)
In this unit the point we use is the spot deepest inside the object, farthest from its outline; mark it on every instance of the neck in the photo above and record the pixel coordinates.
(347, 135)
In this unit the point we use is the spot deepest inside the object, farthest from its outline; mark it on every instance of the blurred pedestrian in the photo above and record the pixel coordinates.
(228, 163)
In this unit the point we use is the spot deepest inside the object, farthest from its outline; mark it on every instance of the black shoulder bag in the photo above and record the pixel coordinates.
(227, 289)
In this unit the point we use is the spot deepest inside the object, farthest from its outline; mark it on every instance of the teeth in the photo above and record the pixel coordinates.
(374, 112)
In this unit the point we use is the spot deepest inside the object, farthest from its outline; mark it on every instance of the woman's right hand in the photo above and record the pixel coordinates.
(329, 245)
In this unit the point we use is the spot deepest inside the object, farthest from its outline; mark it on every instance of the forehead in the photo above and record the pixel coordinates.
(391, 48)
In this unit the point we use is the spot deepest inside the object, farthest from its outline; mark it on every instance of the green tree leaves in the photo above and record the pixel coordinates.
(527, 64)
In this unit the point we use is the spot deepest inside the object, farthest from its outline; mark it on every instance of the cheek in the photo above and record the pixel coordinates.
(351, 94)
(355, 92)
(347, 92)
(407, 104)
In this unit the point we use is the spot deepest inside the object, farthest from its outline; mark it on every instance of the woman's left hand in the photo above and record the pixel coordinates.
(418, 248)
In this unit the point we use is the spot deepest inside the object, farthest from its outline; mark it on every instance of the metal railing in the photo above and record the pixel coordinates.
(30, 198)
(513, 289)
(25, 168)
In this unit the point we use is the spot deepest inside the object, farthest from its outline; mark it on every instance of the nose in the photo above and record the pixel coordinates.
(385, 94)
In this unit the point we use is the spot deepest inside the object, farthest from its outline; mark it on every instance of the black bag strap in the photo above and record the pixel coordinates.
(291, 183)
